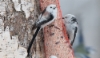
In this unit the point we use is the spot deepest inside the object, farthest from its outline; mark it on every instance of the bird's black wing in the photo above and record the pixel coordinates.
(47, 18)
(75, 31)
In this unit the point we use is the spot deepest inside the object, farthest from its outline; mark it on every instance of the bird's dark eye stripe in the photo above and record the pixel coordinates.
(74, 19)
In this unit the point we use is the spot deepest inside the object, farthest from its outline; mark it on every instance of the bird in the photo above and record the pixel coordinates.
(48, 15)
(71, 25)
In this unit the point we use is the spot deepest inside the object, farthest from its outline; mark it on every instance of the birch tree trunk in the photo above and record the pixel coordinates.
(20, 15)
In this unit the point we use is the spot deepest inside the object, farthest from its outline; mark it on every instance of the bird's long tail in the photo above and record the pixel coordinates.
(74, 36)
(34, 36)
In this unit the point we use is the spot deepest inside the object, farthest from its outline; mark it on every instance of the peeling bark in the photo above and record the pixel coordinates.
(9, 46)
(20, 15)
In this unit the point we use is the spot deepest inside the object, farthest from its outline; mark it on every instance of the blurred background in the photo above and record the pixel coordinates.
(87, 12)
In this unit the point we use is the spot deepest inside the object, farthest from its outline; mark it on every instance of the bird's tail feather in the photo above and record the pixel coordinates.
(34, 36)
(74, 36)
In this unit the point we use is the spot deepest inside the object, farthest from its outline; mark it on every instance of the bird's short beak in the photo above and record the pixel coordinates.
(62, 17)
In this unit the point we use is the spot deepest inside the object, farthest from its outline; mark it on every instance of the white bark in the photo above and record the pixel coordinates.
(20, 15)
(9, 47)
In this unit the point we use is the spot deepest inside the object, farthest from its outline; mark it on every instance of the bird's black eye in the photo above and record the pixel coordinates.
(74, 19)
(50, 7)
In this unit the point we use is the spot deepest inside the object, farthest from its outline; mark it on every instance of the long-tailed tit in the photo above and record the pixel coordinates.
(71, 24)
(46, 17)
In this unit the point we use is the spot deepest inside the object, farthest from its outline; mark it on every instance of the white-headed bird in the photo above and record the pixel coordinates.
(48, 15)
(71, 24)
